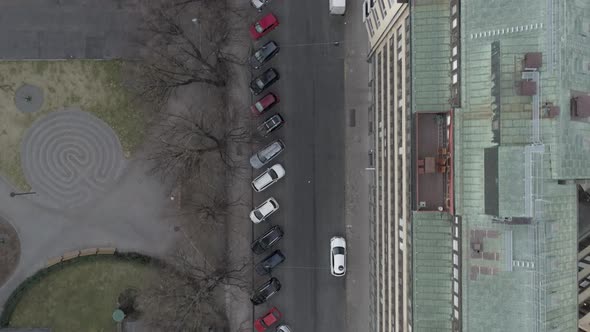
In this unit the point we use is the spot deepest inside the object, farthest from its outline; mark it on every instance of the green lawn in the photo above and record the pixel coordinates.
(80, 297)
(94, 86)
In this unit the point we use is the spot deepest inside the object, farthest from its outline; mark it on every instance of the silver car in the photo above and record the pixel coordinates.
(265, 155)
(283, 328)
(258, 4)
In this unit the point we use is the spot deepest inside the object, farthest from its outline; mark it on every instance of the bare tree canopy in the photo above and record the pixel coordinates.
(192, 138)
(188, 43)
(189, 293)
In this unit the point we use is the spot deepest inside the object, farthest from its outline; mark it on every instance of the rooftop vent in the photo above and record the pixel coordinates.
(533, 60)
(580, 106)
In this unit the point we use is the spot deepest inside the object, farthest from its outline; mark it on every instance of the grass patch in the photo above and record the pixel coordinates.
(81, 296)
(94, 86)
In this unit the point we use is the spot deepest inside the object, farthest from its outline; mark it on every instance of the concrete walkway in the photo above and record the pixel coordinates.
(130, 216)
(357, 175)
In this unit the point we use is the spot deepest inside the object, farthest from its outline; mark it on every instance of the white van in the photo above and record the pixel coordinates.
(337, 7)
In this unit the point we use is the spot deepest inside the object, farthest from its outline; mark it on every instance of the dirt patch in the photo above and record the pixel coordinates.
(93, 86)
(9, 250)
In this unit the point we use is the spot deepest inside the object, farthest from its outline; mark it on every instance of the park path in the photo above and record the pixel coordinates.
(131, 216)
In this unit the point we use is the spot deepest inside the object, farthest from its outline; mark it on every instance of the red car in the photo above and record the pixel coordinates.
(269, 319)
(264, 103)
(264, 26)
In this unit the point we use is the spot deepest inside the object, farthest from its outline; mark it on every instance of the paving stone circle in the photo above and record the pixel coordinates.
(71, 157)
(28, 98)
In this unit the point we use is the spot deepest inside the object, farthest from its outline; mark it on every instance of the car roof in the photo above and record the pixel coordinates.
(263, 179)
(271, 43)
(278, 168)
(273, 233)
(273, 148)
(268, 19)
(267, 207)
(338, 242)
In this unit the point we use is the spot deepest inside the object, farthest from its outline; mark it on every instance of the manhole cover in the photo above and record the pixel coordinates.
(28, 98)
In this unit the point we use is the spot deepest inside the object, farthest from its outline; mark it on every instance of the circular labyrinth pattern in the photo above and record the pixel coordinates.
(70, 157)
(28, 98)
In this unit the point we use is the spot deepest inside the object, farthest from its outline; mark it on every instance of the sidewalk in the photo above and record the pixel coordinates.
(357, 176)
(239, 228)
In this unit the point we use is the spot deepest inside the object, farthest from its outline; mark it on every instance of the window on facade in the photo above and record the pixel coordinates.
(455, 51)
(366, 9)
(455, 23)
(455, 78)
(454, 9)
(455, 259)
(383, 8)
(455, 245)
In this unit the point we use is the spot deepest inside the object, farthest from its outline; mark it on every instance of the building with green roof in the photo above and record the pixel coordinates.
(500, 140)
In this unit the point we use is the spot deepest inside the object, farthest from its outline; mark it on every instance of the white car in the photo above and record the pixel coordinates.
(258, 4)
(283, 328)
(338, 256)
(264, 210)
(270, 176)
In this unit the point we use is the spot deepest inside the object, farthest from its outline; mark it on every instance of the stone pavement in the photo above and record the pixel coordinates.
(63, 29)
(358, 175)
(131, 216)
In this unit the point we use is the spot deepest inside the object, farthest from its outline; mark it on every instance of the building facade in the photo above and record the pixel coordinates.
(388, 26)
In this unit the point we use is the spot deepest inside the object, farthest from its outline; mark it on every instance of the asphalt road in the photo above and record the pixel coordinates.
(311, 197)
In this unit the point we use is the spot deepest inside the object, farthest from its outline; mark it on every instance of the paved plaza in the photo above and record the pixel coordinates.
(64, 29)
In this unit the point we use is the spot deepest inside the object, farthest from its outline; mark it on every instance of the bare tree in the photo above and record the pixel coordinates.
(212, 208)
(187, 45)
(188, 293)
(192, 138)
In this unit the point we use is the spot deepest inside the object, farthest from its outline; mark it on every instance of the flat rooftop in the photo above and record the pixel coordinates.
(504, 264)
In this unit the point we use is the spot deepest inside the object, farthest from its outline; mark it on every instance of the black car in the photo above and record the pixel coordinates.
(264, 81)
(264, 54)
(267, 240)
(265, 291)
(270, 262)
(270, 124)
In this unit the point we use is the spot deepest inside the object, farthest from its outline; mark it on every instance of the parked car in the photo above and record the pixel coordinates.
(265, 291)
(267, 240)
(338, 256)
(264, 54)
(271, 124)
(267, 320)
(263, 81)
(266, 154)
(264, 210)
(270, 176)
(263, 26)
(258, 4)
(283, 328)
(271, 261)
(265, 103)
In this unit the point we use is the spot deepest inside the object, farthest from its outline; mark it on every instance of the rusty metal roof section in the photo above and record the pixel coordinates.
(580, 107)
(533, 60)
